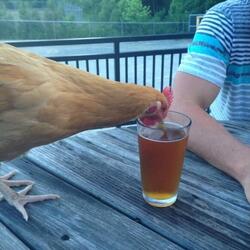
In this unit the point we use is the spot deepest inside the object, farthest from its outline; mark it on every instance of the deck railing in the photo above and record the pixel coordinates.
(154, 67)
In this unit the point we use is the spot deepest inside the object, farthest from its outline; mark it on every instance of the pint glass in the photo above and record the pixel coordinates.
(162, 149)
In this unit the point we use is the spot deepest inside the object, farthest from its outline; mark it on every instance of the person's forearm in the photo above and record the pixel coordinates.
(212, 142)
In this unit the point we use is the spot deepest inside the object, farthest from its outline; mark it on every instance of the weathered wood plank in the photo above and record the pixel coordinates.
(188, 176)
(76, 221)
(109, 169)
(8, 241)
(195, 167)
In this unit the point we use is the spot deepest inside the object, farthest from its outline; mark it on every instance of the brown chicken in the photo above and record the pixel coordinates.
(42, 101)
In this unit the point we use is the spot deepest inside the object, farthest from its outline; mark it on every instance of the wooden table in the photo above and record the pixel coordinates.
(96, 173)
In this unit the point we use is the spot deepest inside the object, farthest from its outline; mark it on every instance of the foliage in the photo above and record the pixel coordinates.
(179, 9)
(157, 5)
(133, 10)
(124, 12)
(108, 10)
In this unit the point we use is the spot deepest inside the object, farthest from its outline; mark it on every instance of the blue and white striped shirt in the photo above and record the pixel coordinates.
(220, 53)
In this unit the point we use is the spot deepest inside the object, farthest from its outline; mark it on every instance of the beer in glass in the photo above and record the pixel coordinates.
(162, 149)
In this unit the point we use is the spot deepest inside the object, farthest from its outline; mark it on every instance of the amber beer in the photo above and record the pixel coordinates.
(162, 152)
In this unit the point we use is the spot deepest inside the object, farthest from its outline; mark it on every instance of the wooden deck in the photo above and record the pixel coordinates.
(96, 173)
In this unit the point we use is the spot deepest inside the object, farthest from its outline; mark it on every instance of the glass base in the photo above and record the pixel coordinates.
(160, 202)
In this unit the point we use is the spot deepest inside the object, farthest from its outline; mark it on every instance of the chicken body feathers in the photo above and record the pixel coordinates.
(42, 101)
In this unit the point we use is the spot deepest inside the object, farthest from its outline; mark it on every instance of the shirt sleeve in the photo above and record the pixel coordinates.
(209, 53)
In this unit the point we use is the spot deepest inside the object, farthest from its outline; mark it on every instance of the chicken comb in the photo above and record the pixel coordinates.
(167, 92)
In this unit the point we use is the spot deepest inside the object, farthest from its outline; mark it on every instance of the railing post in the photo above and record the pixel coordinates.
(117, 60)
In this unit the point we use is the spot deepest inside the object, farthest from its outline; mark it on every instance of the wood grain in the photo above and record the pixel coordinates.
(97, 175)
(8, 240)
(211, 212)
(76, 221)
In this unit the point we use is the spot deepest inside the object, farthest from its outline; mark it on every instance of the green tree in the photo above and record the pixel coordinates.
(54, 10)
(9, 4)
(2, 10)
(134, 10)
(123, 11)
(157, 5)
(108, 10)
(210, 3)
(91, 8)
(179, 9)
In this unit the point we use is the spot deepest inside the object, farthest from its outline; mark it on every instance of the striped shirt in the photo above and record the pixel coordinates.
(220, 53)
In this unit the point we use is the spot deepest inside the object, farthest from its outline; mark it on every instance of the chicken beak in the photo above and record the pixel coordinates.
(154, 114)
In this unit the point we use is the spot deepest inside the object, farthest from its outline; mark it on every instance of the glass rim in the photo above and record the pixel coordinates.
(173, 112)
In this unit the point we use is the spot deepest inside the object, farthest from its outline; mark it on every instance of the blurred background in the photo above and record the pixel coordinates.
(60, 19)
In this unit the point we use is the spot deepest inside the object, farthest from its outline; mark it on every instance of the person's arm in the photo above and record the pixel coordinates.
(208, 138)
